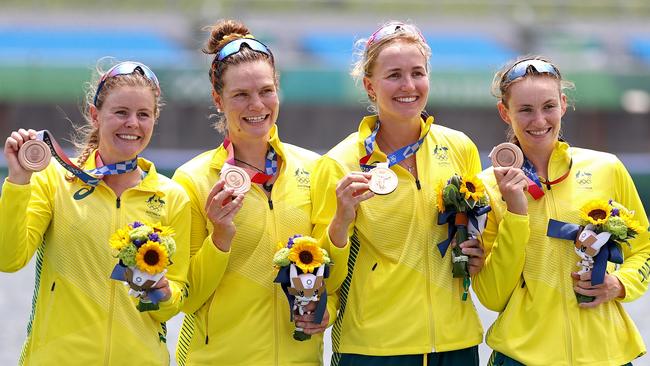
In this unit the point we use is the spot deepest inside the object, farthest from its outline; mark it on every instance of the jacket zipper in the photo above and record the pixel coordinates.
(428, 276)
(567, 333)
(111, 305)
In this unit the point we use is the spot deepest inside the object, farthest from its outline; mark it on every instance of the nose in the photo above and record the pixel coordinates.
(131, 121)
(256, 103)
(408, 83)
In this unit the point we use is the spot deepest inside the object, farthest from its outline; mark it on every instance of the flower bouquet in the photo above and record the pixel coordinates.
(463, 205)
(605, 226)
(303, 267)
(144, 251)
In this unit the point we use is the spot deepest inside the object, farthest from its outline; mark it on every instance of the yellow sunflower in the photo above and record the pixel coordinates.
(161, 230)
(151, 258)
(120, 239)
(440, 201)
(596, 212)
(631, 223)
(472, 188)
(306, 254)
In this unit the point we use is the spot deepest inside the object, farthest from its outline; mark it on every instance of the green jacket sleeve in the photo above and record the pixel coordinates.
(25, 214)
(634, 273)
(207, 263)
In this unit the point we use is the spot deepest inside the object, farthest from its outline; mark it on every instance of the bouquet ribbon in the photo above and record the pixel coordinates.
(449, 217)
(284, 279)
(610, 252)
(119, 273)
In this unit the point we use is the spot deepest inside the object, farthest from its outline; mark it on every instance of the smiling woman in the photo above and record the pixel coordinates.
(76, 300)
(233, 306)
(396, 284)
(533, 241)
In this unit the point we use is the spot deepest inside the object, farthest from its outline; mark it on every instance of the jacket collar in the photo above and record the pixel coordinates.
(368, 124)
(221, 155)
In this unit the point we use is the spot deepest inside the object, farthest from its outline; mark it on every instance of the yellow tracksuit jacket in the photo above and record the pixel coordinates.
(236, 315)
(79, 315)
(527, 276)
(400, 297)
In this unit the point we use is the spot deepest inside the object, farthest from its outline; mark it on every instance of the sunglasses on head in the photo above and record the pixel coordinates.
(393, 28)
(235, 46)
(521, 69)
(126, 68)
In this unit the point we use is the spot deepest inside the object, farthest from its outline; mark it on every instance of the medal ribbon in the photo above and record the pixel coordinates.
(534, 181)
(393, 158)
(270, 166)
(91, 177)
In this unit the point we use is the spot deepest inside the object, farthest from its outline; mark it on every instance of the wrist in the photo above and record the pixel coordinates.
(220, 243)
(338, 232)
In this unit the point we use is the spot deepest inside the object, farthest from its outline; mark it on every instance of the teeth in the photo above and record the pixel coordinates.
(255, 119)
(538, 133)
(406, 99)
(128, 137)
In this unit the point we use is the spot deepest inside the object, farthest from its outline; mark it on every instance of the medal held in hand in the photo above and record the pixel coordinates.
(34, 155)
(507, 155)
(236, 179)
(303, 268)
(383, 180)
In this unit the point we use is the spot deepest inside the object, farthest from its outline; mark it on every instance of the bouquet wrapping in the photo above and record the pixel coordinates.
(144, 251)
(605, 226)
(463, 206)
(303, 267)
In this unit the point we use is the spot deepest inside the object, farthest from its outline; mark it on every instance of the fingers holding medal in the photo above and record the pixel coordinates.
(382, 180)
(236, 178)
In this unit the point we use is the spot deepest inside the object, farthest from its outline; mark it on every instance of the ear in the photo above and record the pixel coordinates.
(503, 112)
(367, 84)
(216, 98)
(563, 101)
(94, 115)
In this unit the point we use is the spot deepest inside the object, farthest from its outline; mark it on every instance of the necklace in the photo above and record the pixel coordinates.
(266, 185)
(409, 167)
(249, 165)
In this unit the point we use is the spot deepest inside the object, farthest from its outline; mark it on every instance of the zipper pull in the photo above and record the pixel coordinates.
(270, 204)
(417, 184)
(117, 202)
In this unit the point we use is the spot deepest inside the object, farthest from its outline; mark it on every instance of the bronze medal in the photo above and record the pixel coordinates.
(507, 155)
(237, 179)
(34, 155)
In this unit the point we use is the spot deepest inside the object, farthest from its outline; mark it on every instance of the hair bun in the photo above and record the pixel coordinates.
(222, 32)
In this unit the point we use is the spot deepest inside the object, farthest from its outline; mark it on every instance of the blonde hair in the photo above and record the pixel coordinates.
(222, 33)
(85, 138)
(366, 54)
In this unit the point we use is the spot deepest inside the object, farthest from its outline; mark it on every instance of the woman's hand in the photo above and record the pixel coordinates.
(305, 321)
(162, 285)
(17, 174)
(512, 184)
(610, 289)
(221, 209)
(473, 249)
(350, 191)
